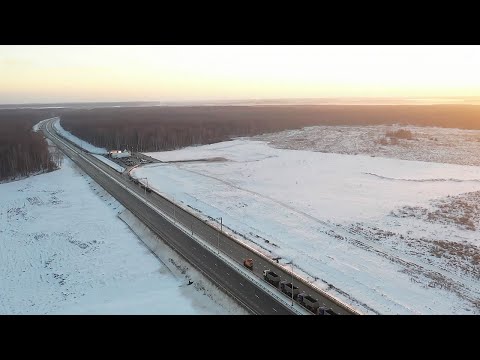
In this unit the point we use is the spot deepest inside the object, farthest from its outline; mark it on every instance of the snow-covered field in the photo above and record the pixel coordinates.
(79, 142)
(63, 250)
(110, 163)
(345, 220)
(433, 144)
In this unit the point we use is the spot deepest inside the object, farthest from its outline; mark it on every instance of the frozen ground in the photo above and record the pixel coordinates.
(433, 144)
(80, 143)
(110, 163)
(345, 220)
(63, 250)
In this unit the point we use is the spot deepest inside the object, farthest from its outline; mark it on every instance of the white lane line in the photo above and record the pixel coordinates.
(142, 199)
(274, 309)
(257, 296)
(241, 284)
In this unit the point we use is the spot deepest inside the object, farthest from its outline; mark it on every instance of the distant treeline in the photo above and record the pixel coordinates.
(22, 151)
(166, 128)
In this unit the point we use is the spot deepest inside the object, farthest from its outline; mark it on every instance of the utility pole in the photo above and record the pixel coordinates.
(291, 263)
(292, 282)
(144, 178)
(218, 234)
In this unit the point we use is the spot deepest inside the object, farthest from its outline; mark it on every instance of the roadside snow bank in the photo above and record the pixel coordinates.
(201, 287)
(110, 163)
(79, 142)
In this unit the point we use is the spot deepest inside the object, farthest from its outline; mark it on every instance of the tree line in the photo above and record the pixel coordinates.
(22, 151)
(166, 128)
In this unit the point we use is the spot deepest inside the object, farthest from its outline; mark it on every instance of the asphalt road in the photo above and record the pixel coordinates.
(249, 295)
(186, 246)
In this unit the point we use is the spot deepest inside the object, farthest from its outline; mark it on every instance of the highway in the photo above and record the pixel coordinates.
(253, 298)
(247, 294)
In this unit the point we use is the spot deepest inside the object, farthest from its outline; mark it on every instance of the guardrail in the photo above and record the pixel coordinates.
(230, 262)
(246, 246)
(258, 253)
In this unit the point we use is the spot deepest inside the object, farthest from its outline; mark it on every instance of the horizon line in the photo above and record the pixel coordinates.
(341, 100)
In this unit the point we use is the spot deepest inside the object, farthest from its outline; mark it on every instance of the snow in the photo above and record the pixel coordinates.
(36, 127)
(329, 186)
(332, 214)
(110, 163)
(63, 250)
(432, 144)
(79, 142)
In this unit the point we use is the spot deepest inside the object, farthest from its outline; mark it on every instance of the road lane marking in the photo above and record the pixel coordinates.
(241, 284)
(257, 296)
(101, 169)
(274, 309)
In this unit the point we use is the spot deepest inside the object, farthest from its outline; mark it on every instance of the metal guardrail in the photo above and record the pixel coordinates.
(258, 253)
(230, 262)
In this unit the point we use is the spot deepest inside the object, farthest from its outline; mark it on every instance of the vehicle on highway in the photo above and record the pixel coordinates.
(304, 299)
(248, 263)
(308, 302)
(288, 288)
(271, 277)
(325, 311)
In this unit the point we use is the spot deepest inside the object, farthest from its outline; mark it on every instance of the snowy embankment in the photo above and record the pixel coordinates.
(36, 127)
(332, 214)
(79, 142)
(110, 163)
(63, 250)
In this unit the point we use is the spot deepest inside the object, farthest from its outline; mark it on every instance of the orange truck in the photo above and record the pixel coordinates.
(248, 263)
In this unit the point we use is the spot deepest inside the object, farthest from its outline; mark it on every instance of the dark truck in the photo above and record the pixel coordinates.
(288, 288)
(308, 302)
(325, 311)
(271, 277)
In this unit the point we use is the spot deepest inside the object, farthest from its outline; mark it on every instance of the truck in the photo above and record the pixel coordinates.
(288, 288)
(308, 302)
(271, 277)
(325, 311)
(248, 263)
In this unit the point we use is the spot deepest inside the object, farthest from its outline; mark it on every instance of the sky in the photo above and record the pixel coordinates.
(80, 73)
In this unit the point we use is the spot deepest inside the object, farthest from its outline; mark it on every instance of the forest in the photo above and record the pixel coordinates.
(166, 128)
(22, 151)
